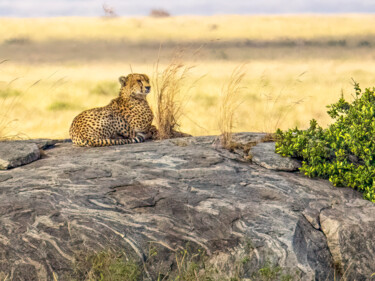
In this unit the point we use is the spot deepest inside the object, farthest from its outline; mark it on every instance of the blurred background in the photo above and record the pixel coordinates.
(92, 8)
(58, 58)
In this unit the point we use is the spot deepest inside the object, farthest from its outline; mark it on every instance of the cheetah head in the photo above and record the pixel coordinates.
(135, 85)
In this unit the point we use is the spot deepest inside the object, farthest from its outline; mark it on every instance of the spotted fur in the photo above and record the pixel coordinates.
(126, 119)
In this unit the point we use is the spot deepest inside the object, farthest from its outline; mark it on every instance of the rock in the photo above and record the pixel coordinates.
(17, 153)
(263, 154)
(173, 193)
(5, 177)
(350, 232)
(245, 138)
(45, 143)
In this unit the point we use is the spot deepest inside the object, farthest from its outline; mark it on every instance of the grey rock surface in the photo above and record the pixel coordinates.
(349, 241)
(45, 143)
(17, 153)
(173, 192)
(263, 154)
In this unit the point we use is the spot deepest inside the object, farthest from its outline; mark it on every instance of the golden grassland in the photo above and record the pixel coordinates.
(190, 27)
(54, 68)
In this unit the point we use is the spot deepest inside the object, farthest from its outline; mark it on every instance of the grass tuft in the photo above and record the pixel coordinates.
(193, 266)
(228, 105)
(168, 87)
(106, 266)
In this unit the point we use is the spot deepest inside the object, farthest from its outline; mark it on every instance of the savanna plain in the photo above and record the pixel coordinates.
(53, 68)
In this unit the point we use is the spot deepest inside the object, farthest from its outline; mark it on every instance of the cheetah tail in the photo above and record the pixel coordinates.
(108, 142)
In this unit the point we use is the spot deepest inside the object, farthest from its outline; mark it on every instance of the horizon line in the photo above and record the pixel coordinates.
(197, 15)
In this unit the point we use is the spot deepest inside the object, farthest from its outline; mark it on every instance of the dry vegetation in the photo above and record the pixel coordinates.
(74, 64)
(5, 123)
(228, 105)
(192, 28)
(168, 85)
(8, 99)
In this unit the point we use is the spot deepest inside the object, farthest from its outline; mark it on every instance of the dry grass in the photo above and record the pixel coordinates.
(170, 93)
(7, 124)
(279, 103)
(187, 28)
(229, 103)
(74, 87)
(74, 77)
(3, 276)
(106, 265)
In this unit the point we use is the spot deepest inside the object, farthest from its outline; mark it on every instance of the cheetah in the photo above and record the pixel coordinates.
(126, 119)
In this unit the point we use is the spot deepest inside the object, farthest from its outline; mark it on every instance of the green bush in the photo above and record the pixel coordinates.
(344, 153)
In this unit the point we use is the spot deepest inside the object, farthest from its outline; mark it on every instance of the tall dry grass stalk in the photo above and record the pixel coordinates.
(7, 125)
(229, 102)
(170, 94)
(8, 101)
(4, 129)
(280, 105)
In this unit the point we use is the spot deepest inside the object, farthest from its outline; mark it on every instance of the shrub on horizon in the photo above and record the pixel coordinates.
(159, 13)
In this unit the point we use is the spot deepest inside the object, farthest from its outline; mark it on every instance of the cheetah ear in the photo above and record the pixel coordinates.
(146, 77)
(123, 80)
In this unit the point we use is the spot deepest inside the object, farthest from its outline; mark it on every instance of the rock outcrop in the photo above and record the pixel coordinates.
(169, 193)
(14, 154)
